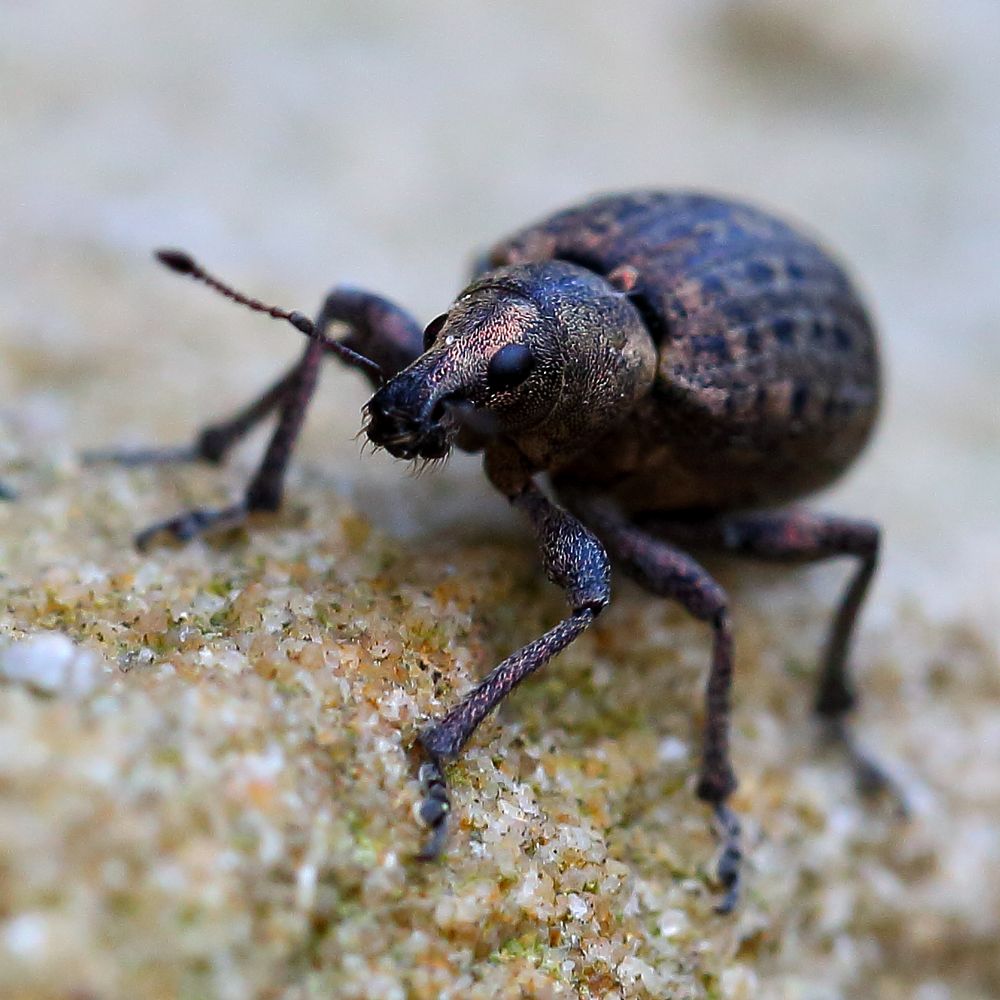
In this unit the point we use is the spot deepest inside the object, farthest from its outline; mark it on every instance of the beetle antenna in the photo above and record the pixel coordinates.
(184, 263)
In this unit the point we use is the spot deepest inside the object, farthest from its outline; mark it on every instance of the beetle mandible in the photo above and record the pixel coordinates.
(678, 367)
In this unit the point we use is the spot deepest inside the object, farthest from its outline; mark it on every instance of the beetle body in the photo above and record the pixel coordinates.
(680, 366)
(767, 381)
(767, 375)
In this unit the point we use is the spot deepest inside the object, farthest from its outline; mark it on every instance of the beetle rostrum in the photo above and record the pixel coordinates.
(644, 373)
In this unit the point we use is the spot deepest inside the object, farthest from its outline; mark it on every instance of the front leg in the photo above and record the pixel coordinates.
(380, 340)
(575, 560)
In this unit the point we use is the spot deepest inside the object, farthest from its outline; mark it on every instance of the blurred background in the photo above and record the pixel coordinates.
(297, 145)
(293, 146)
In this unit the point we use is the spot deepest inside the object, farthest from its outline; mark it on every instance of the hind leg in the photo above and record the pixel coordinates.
(800, 536)
(376, 330)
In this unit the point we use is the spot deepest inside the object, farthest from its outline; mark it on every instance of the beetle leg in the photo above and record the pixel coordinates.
(573, 559)
(376, 329)
(800, 536)
(669, 572)
(265, 489)
(215, 441)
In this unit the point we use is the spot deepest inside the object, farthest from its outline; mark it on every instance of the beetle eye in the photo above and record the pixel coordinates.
(509, 367)
(433, 329)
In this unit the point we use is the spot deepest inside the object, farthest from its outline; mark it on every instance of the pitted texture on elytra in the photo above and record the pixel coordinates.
(736, 299)
(768, 376)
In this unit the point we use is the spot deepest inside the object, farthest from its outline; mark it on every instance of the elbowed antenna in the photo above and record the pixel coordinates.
(184, 263)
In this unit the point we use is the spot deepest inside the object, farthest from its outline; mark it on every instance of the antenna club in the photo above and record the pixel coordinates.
(177, 260)
(302, 323)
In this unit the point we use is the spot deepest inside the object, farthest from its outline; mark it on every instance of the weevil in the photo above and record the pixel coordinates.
(645, 373)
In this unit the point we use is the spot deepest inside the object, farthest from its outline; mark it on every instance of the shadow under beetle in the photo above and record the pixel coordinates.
(678, 366)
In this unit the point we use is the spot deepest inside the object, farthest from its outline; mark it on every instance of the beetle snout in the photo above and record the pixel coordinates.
(407, 422)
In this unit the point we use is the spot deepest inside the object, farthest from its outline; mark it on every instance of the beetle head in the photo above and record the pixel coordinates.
(546, 351)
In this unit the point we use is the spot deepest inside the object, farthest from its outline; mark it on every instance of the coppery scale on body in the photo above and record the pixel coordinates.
(679, 366)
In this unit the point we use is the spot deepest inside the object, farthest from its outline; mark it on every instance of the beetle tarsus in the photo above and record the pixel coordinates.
(731, 858)
(871, 779)
(192, 523)
(435, 808)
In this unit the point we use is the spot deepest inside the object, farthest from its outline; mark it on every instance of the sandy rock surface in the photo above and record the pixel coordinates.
(205, 781)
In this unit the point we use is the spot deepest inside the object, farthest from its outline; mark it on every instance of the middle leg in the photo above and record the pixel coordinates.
(668, 572)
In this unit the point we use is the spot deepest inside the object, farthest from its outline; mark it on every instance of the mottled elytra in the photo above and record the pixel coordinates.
(677, 369)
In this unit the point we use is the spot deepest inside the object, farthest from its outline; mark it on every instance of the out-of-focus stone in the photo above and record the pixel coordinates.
(51, 663)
